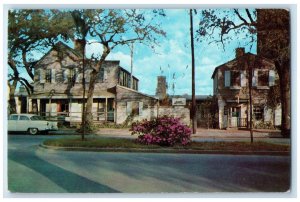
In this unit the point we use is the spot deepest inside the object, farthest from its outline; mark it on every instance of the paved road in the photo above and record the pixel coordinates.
(32, 169)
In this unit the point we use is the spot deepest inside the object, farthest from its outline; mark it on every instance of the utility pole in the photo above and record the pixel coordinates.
(249, 67)
(83, 86)
(131, 64)
(193, 108)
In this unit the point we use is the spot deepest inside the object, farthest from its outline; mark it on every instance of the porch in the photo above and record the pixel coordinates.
(70, 110)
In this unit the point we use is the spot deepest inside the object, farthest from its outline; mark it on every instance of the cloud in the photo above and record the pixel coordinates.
(173, 57)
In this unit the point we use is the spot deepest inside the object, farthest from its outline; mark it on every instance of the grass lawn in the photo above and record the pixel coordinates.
(101, 142)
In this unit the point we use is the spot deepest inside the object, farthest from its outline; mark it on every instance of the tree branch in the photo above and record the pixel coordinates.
(249, 15)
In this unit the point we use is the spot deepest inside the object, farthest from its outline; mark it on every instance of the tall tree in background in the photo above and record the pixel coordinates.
(269, 28)
(112, 28)
(30, 31)
(273, 37)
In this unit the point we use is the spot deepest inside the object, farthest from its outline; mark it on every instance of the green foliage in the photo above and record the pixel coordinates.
(32, 31)
(264, 125)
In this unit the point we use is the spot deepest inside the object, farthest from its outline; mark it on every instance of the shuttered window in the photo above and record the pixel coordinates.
(128, 108)
(235, 78)
(227, 78)
(258, 112)
(101, 75)
(48, 75)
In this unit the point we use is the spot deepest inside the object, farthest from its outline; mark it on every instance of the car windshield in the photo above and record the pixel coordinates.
(37, 118)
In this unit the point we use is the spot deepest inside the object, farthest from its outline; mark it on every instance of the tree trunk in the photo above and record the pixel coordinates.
(285, 101)
(12, 102)
(90, 93)
(89, 103)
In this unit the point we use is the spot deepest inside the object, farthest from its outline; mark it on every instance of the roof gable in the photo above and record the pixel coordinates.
(235, 60)
(59, 47)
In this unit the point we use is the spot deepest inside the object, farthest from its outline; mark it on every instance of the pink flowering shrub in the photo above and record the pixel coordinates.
(164, 131)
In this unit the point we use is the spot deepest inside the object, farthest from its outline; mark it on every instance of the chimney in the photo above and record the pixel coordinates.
(79, 45)
(161, 89)
(239, 52)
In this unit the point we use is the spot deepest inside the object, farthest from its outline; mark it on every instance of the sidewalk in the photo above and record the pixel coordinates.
(201, 133)
(204, 133)
(234, 133)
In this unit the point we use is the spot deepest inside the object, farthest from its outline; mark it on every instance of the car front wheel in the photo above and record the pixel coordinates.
(33, 131)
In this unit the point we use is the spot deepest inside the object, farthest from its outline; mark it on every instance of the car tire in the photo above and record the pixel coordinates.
(33, 131)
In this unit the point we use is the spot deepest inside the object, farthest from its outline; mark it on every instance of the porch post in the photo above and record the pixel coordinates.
(115, 110)
(106, 108)
(247, 115)
(29, 105)
(39, 106)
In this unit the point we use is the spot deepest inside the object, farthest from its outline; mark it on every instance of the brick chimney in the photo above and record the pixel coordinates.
(161, 89)
(239, 52)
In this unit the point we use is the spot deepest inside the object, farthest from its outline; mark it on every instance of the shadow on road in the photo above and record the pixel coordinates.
(69, 181)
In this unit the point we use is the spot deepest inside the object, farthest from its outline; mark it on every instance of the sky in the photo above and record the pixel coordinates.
(172, 58)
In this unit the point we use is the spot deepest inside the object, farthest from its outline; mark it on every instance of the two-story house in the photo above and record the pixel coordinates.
(58, 89)
(231, 87)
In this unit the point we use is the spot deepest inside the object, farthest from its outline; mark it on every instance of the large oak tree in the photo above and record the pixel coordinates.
(112, 28)
(29, 32)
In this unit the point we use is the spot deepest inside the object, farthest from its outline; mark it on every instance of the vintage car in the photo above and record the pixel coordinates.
(31, 123)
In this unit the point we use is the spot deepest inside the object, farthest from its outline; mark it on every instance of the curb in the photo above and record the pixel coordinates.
(181, 151)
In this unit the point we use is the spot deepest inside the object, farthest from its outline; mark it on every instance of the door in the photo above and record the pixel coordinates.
(235, 115)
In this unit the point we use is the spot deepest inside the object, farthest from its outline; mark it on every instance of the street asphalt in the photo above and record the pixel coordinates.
(32, 169)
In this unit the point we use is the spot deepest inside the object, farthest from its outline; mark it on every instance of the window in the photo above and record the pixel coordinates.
(235, 78)
(258, 112)
(227, 78)
(135, 84)
(24, 118)
(134, 108)
(37, 118)
(72, 76)
(101, 75)
(13, 117)
(263, 78)
(124, 79)
(235, 112)
(48, 75)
